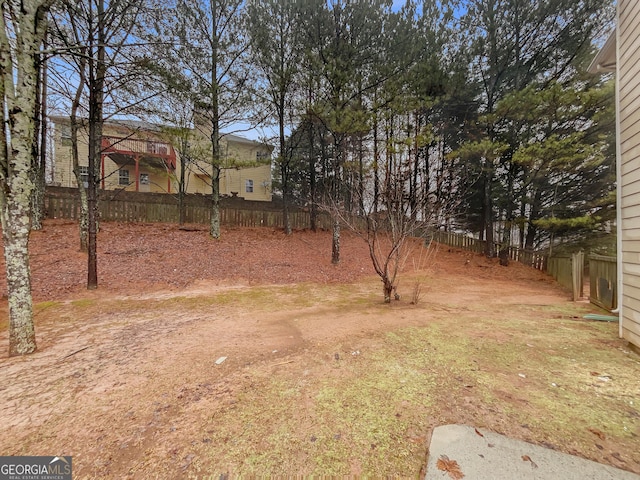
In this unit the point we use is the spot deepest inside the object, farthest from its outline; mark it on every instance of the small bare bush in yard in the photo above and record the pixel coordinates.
(416, 295)
(426, 256)
(390, 226)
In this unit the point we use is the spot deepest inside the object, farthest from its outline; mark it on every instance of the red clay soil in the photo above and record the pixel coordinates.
(126, 390)
(134, 258)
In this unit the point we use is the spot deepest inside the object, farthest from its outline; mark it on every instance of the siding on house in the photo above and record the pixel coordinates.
(621, 54)
(241, 159)
(63, 162)
(628, 77)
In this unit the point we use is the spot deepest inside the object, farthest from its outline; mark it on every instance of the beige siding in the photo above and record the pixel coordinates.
(631, 246)
(633, 174)
(261, 182)
(632, 211)
(629, 98)
(239, 154)
(63, 166)
(632, 322)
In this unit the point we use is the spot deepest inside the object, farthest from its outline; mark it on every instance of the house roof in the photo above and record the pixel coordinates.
(156, 128)
(605, 60)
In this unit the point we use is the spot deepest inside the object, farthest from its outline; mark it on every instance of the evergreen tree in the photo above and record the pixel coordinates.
(275, 28)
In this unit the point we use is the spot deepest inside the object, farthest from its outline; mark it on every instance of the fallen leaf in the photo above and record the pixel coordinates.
(597, 433)
(490, 445)
(478, 432)
(449, 466)
(527, 458)
(594, 374)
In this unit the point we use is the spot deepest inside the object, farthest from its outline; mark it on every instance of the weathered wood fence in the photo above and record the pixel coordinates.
(537, 260)
(164, 208)
(603, 281)
(568, 270)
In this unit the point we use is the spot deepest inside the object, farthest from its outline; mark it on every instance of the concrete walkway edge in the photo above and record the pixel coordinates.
(480, 454)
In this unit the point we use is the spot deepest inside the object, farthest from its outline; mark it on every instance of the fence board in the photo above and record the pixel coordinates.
(65, 203)
(561, 269)
(603, 276)
(537, 260)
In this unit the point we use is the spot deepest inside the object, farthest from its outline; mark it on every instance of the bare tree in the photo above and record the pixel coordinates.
(392, 215)
(40, 144)
(22, 30)
(208, 44)
(99, 72)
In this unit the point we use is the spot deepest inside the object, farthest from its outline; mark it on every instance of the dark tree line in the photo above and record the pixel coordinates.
(498, 129)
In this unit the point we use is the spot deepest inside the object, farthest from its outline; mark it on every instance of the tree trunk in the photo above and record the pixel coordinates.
(214, 227)
(181, 192)
(18, 91)
(376, 165)
(532, 230)
(83, 221)
(97, 72)
(335, 244)
(15, 228)
(506, 235)
(39, 169)
(284, 164)
(216, 154)
(387, 288)
(336, 192)
(488, 214)
(18, 101)
(313, 214)
(284, 172)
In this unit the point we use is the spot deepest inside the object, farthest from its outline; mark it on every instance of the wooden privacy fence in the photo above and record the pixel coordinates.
(537, 260)
(603, 281)
(127, 210)
(569, 271)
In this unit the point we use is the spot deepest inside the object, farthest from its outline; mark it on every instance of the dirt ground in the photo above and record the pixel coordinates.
(255, 355)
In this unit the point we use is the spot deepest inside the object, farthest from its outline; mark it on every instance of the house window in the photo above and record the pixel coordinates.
(248, 186)
(65, 135)
(262, 156)
(144, 179)
(123, 177)
(84, 175)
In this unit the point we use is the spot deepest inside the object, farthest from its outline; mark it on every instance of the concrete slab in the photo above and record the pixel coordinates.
(491, 456)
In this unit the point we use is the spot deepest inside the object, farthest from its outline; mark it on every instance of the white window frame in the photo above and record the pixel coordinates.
(123, 177)
(83, 170)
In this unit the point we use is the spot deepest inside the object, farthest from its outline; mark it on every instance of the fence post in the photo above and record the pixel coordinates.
(577, 274)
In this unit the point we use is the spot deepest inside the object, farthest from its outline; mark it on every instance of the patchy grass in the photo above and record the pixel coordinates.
(369, 412)
(319, 380)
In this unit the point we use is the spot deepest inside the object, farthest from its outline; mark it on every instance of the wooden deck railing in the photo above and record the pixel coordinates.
(136, 147)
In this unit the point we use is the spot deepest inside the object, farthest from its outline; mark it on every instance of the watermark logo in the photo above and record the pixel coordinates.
(35, 468)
